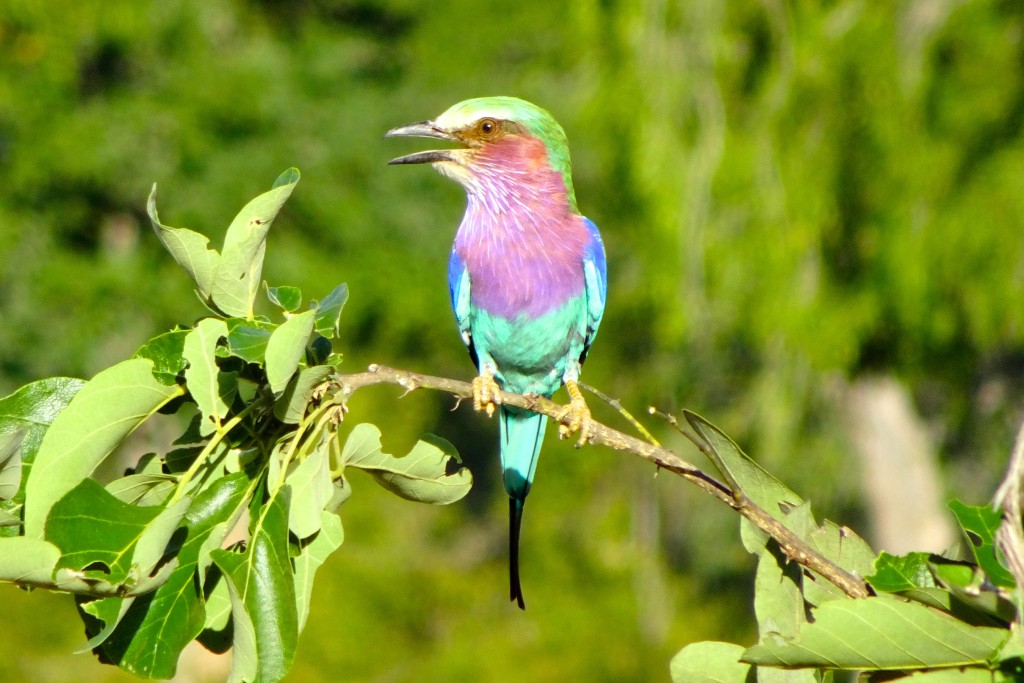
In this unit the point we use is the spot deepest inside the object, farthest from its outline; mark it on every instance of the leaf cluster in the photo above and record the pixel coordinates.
(154, 558)
(925, 616)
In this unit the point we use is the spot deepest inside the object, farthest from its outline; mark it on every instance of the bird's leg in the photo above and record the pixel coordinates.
(578, 414)
(485, 392)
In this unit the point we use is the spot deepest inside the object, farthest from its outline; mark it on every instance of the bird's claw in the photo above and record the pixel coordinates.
(485, 393)
(578, 415)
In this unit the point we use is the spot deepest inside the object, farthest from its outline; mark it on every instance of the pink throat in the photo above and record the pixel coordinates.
(520, 239)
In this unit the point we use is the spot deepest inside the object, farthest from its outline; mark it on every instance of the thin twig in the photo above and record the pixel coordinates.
(617, 405)
(795, 547)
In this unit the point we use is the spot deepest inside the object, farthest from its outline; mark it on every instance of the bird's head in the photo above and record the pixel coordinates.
(497, 137)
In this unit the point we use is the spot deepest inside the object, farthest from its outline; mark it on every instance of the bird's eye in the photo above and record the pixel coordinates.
(487, 127)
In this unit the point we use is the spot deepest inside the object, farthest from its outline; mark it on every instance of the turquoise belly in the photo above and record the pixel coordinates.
(531, 355)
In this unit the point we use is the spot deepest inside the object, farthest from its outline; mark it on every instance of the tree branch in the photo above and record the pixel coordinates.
(1008, 498)
(794, 547)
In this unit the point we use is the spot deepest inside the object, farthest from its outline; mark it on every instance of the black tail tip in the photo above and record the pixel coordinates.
(516, 596)
(515, 518)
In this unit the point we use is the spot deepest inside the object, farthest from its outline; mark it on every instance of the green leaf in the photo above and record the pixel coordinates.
(310, 483)
(206, 383)
(28, 561)
(969, 586)
(143, 489)
(900, 573)
(238, 274)
(106, 410)
(263, 604)
(800, 521)
(245, 643)
(1011, 656)
(980, 523)
(188, 248)
(839, 544)
(430, 473)
(287, 348)
(106, 611)
(10, 462)
(322, 351)
(778, 601)
(166, 351)
(217, 633)
(957, 675)
(763, 489)
(287, 179)
(291, 405)
(977, 608)
(288, 298)
(710, 662)
(880, 633)
(843, 547)
(342, 492)
(160, 625)
(956, 573)
(91, 526)
(328, 311)
(312, 555)
(29, 411)
(156, 537)
(247, 339)
(10, 518)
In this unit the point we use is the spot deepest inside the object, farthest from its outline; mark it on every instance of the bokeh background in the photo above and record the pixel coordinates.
(813, 214)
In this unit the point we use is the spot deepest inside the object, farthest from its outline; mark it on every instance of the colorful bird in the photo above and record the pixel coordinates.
(526, 274)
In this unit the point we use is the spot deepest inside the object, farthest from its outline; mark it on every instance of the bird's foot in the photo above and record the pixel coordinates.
(485, 393)
(578, 415)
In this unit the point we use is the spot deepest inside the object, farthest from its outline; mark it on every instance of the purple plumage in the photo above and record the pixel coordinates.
(519, 238)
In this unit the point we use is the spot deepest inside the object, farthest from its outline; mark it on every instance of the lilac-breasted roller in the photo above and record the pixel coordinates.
(526, 274)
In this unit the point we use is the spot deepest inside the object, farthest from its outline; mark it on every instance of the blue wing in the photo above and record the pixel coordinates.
(595, 270)
(458, 288)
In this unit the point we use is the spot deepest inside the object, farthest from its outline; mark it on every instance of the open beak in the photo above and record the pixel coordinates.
(423, 129)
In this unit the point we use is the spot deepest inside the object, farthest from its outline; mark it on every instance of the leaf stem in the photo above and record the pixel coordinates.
(617, 405)
(218, 436)
(303, 436)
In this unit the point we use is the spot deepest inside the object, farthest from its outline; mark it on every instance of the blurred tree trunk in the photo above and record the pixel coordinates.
(899, 473)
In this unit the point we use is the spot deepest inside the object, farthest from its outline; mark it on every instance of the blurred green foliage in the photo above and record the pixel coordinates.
(791, 195)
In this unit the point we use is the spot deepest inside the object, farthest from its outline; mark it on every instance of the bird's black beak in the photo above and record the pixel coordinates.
(423, 129)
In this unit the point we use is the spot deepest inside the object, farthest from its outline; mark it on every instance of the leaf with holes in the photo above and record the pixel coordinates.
(894, 573)
(167, 353)
(430, 473)
(980, 523)
(237, 279)
(161, 624)
(97, 533)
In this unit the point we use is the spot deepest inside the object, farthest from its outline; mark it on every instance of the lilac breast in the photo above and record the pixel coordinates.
(520, 240)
